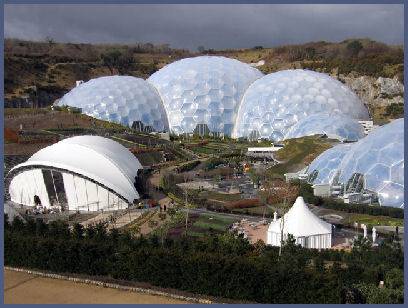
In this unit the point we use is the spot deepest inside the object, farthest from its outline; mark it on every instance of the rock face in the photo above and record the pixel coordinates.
(375, 92)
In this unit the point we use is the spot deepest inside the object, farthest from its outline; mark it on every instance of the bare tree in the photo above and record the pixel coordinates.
(281, 194)
(186, 177)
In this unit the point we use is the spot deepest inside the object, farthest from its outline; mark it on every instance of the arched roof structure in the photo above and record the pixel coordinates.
(100, 159)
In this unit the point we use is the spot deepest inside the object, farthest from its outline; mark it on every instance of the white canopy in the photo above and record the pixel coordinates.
(100, 159)
(300, 222)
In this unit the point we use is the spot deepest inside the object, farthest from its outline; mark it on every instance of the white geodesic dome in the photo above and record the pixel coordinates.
(276, 102)
(203, 90)
(119, 99)
(376, 164)
(335, 126)
(324, 168)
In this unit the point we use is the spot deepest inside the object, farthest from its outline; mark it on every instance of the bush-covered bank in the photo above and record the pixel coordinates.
(221, 266)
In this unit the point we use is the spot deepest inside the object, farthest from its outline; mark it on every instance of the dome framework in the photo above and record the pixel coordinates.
(276, 102)
(204, 90)
(121, 99)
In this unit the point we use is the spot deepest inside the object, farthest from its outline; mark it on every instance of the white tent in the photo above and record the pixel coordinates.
(308, 229)
(88, 173)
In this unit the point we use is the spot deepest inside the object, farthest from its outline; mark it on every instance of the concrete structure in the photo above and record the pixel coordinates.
(84, 173)
(322, 190)
(308, 230)
(368, 126)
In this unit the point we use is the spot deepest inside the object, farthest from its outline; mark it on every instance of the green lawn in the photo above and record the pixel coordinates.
(376, 220)
(216, 222)
(299, 152)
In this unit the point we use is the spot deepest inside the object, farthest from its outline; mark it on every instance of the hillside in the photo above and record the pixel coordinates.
(41, 72)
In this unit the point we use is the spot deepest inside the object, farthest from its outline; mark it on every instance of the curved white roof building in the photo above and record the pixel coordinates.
(119, 99)
(308, 230)
(276, 102)
(83, 173)
(203, 90)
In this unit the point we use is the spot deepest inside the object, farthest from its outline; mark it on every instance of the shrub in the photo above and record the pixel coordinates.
(242, 204)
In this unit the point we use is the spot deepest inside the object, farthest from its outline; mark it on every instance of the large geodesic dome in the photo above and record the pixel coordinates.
(203, 90)
(376, 164)
(276, 102)
(324, 168)
(119, 99)
(335, 126)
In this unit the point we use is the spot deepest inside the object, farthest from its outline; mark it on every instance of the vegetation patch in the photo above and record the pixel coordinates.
(297, 153)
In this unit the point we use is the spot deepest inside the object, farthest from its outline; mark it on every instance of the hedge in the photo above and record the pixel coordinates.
(217, 265)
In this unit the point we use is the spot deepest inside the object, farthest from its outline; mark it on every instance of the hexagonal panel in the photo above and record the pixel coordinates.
(120, 99)
(297, 94)
(215, 84)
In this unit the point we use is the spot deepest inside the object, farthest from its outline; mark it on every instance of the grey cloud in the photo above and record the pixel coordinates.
(214, 26)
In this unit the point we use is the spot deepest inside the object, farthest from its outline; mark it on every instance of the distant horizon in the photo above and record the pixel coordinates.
(213, 26)
(159, 44)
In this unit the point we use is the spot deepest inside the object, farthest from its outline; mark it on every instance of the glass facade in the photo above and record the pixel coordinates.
(278, 101)
(378, 161)
(203, 90)
(324, 168)
(119, 99)
(334, 126)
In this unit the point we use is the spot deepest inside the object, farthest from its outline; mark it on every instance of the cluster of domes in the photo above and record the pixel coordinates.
(227, 96)
(373, 164)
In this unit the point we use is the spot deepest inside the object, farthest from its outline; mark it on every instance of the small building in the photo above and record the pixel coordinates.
(322, 190)
(263, 152)
(368, 126)
(308, 230)
(300, 175)
(359, 197)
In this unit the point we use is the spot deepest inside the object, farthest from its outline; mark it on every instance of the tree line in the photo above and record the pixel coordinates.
(225, 265)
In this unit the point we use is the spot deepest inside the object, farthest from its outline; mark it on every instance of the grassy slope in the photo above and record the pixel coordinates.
(298, 153)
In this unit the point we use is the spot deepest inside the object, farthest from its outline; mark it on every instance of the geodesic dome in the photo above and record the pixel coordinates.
(276, 102)
(376, 164)
(203, 90)
(119, 99)
(324, 168)
(335, 126)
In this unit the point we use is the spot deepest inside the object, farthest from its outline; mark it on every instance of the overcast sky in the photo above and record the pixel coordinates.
(213, 26)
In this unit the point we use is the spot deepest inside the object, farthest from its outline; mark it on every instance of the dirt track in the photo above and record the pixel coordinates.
(23, 288)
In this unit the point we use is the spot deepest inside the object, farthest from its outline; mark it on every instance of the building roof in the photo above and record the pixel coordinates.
(300, 221)
(100, 159)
